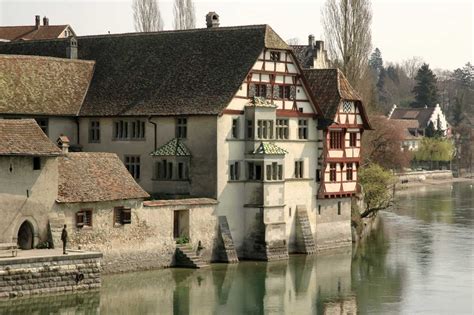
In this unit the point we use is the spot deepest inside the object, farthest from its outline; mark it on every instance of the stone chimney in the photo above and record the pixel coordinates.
(311, 41)
(320, 56)
(37, 21)
(71, 49)
(212, 20)
(63, 143)
(45, 21)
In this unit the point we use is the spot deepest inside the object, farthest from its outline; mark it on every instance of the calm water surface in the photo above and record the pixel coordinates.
(420, 260)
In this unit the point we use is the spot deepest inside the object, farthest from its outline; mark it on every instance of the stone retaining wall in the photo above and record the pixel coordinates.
(23, 276)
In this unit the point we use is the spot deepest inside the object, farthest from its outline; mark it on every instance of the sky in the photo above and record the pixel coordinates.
(438, 31)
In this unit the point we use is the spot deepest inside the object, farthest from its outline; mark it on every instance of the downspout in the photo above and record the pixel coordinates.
(155, 127)
(78, 131)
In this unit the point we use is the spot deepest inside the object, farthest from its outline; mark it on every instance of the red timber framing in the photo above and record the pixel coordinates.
(339, 146)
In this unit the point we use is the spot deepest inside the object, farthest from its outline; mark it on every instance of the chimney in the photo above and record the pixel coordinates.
(63, 143)
(45, 21)
(37, 21)
(311, 41)
(71, 49)
(212, 20)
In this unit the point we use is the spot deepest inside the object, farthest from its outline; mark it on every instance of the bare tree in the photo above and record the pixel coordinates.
(147, 16)
(412, 65)
(184, 15)
(346, 26)
(293, 41)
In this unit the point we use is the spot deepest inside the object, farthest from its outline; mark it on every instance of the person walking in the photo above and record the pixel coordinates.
(64, 239)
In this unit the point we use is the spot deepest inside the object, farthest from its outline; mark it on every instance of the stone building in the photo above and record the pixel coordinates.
(36, 31)
(345, 120)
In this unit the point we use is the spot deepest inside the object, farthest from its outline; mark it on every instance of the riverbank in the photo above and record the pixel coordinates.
(404, 187)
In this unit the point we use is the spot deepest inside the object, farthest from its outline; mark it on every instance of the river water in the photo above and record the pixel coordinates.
(420, 260)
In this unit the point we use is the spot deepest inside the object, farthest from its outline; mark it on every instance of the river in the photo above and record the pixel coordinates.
(420, 260)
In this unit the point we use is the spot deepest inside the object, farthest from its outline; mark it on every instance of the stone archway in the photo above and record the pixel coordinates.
(26, 235)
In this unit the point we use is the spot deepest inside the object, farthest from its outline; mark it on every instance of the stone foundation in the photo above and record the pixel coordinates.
(22, 276)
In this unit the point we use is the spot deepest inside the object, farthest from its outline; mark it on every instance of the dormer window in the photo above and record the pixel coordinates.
(275, 56)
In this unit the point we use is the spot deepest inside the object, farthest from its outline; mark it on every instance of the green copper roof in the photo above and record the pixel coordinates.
(174, 147)
(269, 148)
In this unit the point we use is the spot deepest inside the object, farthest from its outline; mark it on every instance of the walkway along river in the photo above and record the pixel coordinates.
(420, 260)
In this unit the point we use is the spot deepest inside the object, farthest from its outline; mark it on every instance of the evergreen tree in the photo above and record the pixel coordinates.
(457, 111)
(376, 61)
(425, 90)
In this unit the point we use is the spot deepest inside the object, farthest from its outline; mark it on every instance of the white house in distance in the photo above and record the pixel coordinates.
(35, 32)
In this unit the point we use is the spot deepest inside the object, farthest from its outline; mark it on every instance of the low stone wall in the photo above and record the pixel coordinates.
(419, 177)
(333, 227)
(21, 276)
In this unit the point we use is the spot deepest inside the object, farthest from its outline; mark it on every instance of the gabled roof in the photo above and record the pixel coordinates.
(329, 87)
(30, 32)
(269, 148)
(24, 137)
(164, 73)
(174, 147)
(93, 176)
(409, 127)
(421, 115)
(43, 85)
(304, 54)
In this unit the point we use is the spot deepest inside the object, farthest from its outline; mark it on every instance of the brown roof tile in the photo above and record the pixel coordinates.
(25, 137)
(91, 177)
(329, 88)
(421, 115)
(30, 32)
(180, 202)
(43, 85)
(164, 73)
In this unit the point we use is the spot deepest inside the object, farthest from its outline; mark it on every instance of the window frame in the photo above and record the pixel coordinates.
(181, 127)
(352, 139)
(94, 131)
(132, 165)
(235, 128)
(36, 163)
(265, 129)
(349, 172)
(333, 172)
(299, 169)
(336, 140)
(261, 90)
(84, 218)
(275, 55)
(282, 129)
(122, 215)
(284, 92)
(43, 123)
(234, 171)
(303, 129)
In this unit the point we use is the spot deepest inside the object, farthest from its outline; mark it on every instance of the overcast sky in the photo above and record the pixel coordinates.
(439, 31)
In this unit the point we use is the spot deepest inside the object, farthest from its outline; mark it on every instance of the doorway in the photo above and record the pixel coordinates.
(25, 236)
(181, 223)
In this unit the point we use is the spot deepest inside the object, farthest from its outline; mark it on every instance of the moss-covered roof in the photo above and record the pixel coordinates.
(43, 85)
(164, 73)
(269, 148)
(174, 147)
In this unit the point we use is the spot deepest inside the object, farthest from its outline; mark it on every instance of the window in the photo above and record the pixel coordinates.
(349, 172)
(318, 176)
(284, 91)
(36, 163)
(282, 129)
(302, 129)
(299, 169)
(121, 130)
(339, 205)
(94, 131)
(319, 209)
(265, 129)
(181, 128)
(254, 171)
(335, 140)
(43, 123)
(249, 129)
(84, 218)
(261, 90)
(132, 163)
(352, 139)
(275, 55)
(122, 215)
(138, 129)
(332, 172)
(182, 171)
(346, 107)
(274, 171)
(164, 170)
(234, 171)
(235, 128)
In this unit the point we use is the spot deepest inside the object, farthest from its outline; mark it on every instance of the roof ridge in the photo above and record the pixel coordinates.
(8, 56)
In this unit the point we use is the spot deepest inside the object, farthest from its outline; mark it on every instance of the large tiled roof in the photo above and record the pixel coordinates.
(91, 177)
(269, 148)
(329, 87)
(30, 32)
(421, 115)
(43, 85)
(164, 73)
(304, 54)
(409, 127)
(25, 137)
(174, 147)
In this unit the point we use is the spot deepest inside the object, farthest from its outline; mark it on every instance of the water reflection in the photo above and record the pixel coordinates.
(420, 257)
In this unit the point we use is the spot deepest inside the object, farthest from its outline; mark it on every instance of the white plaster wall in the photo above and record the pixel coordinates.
(16, 206)
(333, 229)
